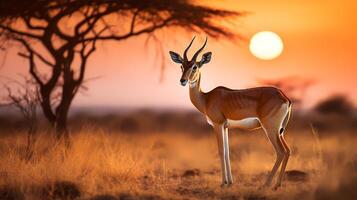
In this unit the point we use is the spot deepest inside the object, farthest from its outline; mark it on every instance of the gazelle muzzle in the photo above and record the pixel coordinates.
(183, 82)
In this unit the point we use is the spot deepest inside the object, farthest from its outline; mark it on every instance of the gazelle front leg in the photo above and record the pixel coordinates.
(219, 132)
(226, 156)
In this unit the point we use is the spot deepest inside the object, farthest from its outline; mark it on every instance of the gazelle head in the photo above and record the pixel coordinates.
(190, 69)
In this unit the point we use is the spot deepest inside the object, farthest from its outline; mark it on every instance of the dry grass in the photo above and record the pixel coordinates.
(99, 165)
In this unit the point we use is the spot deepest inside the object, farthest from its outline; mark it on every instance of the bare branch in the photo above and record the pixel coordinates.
(130, 34)
(27, 21)
(84, 57)
(28, 48)
(30, 57)
(133, 21)
(20, 33)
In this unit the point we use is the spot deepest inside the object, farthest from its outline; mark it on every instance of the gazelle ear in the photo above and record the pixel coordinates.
(205, 58)
(176, 57)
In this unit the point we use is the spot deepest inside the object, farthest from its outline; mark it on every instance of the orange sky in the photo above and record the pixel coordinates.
(320, 39)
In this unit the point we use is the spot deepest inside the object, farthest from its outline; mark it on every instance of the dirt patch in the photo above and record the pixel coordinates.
(204, 193)
(191, 173)
(296, 176)
(65, 190)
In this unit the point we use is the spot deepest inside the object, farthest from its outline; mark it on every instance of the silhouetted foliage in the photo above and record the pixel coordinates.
(63, 34)
(338, 104)
(25, 98)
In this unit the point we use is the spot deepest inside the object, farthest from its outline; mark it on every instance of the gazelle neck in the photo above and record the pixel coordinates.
(196, 95)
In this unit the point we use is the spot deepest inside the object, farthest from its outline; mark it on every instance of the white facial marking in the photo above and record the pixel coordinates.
(193, 84)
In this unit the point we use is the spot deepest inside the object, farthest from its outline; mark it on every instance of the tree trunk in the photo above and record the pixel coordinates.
(58, 119)
(46, 106)
(61, 117)
(61, 129)
(63, 109)
(61, 126)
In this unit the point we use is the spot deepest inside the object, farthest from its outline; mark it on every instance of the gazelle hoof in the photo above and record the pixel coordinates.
(265, 186)
(224, 184)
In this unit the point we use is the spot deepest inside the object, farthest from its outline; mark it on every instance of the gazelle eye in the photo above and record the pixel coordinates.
(194, 68)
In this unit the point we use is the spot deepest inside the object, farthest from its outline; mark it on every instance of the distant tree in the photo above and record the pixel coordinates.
(337, 104)
(63, 34)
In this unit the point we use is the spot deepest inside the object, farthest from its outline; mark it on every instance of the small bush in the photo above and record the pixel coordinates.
(335, 105)
(11, 193)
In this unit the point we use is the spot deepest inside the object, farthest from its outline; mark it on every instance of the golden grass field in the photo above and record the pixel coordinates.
(108, 166)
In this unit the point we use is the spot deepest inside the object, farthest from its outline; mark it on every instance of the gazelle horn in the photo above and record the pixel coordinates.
(199, 51)
(185, 52)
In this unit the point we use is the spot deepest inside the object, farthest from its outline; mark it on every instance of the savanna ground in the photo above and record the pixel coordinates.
(107, 166)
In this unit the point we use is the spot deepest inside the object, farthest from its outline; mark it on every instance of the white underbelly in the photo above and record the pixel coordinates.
(247, 123)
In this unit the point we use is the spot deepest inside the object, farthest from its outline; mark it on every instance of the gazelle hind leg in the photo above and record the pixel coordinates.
(219, 132)
(226, 156)
(273, 136)
(285, 160)
(285, 145)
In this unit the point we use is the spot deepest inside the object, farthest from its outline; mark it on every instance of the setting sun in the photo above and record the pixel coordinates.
(266, 45)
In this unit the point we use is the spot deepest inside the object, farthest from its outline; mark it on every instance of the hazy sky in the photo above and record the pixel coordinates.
(320, 39)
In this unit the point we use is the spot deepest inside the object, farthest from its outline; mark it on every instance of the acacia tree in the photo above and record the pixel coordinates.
(62, 35)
